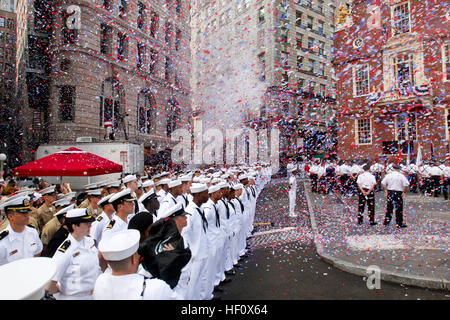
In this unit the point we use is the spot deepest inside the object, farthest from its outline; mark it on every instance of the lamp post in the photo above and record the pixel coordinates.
(2, 159)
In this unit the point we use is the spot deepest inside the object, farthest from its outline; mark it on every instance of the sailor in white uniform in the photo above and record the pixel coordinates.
(124, 283)
(292, 193)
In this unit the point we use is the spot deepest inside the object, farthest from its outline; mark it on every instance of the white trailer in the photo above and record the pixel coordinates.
(129, 155)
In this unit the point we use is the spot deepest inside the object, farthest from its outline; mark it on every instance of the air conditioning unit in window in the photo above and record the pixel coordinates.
(86, 139)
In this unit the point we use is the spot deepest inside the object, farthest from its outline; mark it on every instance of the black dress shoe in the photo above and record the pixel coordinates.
(373, 223)
(230, 273)
(218, 289)
(401, 225)
(225, 281)
(237, 265)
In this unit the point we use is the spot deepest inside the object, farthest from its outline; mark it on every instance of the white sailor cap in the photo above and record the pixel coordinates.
(175, 210)
(95, 192)
(238, 186)
(205, 180)
(243, 177)
(36, 196)
(174, 183)
(120, 245)
(103, 201)
(148, 183)
(196, 179)
(65, 210)
(225, 175)
(198, 187)
(90, 186)
(19, 203)
(163, 181)
(102, 184)
(48, 191)
(216, 174)
(70, 195)
(115, 184)
(224, 185)
(26, 279)
(186, 178)
(216, 180)
(61, 202)
(79, 215)
(213, 189)
(122, 195)
(147, 195)
(144, 178)
(129, 178)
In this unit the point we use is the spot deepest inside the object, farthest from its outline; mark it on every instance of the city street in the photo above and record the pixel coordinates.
(283, 263)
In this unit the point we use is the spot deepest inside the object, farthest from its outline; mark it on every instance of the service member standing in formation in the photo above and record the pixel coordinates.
(292, 193)
(46, 210)
(77, 260)
(18, 240)
(124, 283)
(123, 204)
(366, 184)
(395, 184)
(100, 223)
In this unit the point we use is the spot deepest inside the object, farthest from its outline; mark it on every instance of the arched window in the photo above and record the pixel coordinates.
(173, 116)
(110, 102)
(145, 111)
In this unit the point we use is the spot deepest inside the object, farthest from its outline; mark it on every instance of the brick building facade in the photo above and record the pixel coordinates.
(392, 62)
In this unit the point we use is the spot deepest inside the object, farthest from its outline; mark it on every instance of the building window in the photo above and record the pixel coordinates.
(309, 22)
(322, 90)
(168, 33)
(298, 18)
(310, 43)
(262, 66)
(110, 103)
(2, 22)
(320, 27)
(320, 5)
(123, 6)
(360, 80)
(405, 128)
(321, 71)
(446, 61)
(299, 62)
(145, 112)
(66, 103)
(321, 48)
(299, 40)
(141, 16)
(154, 24)
(153, 61)
(178, 8)
(107, 4)
(312, 64)
(140, 56)
(121, 46)
(105, 38)
(447, 123)
(404, 70)
(400, 18)
(177, 39)
(364, 131)
(167, 69)
(261, 16)
(173, 117)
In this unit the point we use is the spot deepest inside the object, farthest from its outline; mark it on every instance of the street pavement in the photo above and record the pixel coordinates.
(284, 264)
(416, 255)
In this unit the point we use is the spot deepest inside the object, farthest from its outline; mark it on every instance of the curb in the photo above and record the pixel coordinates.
(389, 276)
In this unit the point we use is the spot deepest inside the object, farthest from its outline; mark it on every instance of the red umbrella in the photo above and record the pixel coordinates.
(71, 162)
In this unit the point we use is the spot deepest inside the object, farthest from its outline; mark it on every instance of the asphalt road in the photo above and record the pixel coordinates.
(283, 264)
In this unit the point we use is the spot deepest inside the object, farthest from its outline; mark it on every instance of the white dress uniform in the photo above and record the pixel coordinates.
(195, 234)
(115, 225)
(168, 201)
(78, 268)
(120, 246)
(226, 226)
(292, 195)
(215, 240)
(19, 245)
(236, 245)
(244, 227)
(99, 225)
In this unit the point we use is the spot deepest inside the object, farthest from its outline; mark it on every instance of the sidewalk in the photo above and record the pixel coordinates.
(416, 255)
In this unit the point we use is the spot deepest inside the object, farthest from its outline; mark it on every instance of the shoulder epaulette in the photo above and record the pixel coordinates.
(100, 218)
(111, 224)
(4, 234)
(64, 246)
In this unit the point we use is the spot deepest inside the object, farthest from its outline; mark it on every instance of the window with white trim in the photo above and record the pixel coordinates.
(361, 80)
(404, 70)
(400, 17)
(364, 131)
(446, 61)
(447, 123)
(405, 127)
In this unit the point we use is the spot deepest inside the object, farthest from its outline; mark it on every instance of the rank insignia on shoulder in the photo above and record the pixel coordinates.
(100, 218)
(4, 234)
(111, 224)
(64, 246)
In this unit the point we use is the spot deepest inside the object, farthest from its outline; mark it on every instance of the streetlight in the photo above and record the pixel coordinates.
(2, 159)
